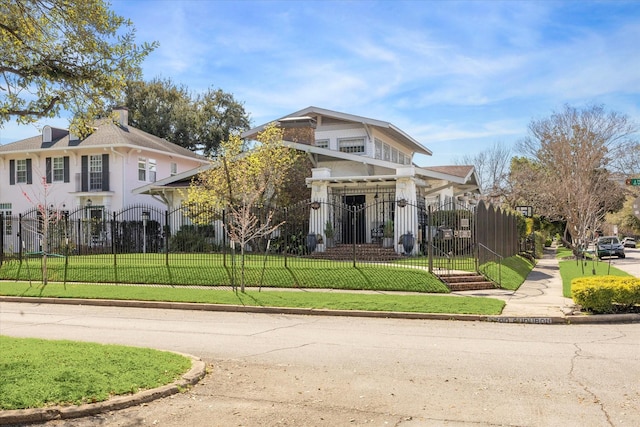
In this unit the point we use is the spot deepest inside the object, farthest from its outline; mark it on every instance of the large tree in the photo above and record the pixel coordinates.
(72, 55)
(197, 122)
(569, 175)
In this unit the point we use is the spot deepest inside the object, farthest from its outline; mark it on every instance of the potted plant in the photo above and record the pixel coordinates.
(408, 241)
(312, 242)
(387, 234)
(329, 233)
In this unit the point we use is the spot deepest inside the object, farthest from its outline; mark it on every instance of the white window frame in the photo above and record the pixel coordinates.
(152, 168)
(322, 143)
(21, 171)
(95, 172)
(142, 169)
(378, 149)
(352, 145)
(57, 169)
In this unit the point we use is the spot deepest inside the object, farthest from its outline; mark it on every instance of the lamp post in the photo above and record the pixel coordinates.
(145, 218)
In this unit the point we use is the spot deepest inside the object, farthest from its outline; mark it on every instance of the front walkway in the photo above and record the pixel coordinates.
(539, 296)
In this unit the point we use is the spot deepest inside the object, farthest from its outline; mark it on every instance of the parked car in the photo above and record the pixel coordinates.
(629, 242)
(609, 246)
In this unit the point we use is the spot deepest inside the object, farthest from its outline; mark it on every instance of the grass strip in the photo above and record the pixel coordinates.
(575, 268)
(36, 373)
(268, 298)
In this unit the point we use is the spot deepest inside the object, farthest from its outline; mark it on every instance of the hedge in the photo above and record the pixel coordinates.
(606, 294)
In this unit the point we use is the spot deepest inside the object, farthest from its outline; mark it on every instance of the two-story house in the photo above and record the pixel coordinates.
(98, 173)
(357, 161)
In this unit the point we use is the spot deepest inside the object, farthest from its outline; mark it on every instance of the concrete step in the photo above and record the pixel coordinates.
(466, 282)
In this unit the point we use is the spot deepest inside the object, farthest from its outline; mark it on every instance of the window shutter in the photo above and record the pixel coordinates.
(12, 172)
(29, 174)
(48, 170)
(105, 172)
(84, 174)
(65, 160)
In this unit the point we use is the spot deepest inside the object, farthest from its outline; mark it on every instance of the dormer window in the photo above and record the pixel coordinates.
(351, 145)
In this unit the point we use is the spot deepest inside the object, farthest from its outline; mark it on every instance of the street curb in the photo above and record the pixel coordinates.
(39, 415)
(581, 319)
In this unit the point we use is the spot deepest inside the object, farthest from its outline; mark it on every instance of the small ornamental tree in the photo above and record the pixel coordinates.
(48, 216)
(247, 184)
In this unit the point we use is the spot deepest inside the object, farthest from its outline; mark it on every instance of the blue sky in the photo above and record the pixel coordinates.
(457, 76)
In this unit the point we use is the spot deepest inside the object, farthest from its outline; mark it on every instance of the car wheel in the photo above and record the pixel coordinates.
(621, 256)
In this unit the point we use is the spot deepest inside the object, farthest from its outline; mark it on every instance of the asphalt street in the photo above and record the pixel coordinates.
(268, 369)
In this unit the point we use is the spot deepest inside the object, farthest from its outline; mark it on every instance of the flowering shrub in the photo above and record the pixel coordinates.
(606, 294)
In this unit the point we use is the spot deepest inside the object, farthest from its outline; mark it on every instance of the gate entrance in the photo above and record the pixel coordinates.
(353, 219)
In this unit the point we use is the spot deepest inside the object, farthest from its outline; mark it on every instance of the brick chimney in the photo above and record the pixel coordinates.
(123, 116)
(301, 130)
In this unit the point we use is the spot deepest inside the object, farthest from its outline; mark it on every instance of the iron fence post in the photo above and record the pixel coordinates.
(430, 238)
(20, 248)
(166, 230)
(352, 211)
(113, 238)
(1, 238)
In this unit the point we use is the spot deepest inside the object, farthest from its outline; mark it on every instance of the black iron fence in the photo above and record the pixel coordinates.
(142, 242)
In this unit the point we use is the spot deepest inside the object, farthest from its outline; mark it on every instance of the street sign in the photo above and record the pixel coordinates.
(632, 181)
(527, 211)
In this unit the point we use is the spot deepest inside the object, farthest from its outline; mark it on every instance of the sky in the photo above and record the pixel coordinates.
(458, 76)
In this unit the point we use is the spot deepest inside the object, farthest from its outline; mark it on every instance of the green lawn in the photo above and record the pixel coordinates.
(36, 373)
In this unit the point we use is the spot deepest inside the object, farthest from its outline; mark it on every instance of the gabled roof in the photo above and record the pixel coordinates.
(108, 134)
(460, 175)
(462, 171)
(384, 127)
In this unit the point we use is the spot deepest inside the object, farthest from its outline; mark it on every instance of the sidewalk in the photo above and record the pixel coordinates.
(540, 299)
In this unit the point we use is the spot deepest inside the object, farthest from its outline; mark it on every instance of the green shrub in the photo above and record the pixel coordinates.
(191, 238)
(606, 294)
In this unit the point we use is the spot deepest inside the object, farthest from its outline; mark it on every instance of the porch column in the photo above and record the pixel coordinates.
(406, 212)
(319, 211)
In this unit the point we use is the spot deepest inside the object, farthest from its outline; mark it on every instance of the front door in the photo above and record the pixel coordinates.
(353, 220)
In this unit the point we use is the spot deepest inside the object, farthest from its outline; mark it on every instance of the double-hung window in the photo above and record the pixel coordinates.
(58, 169)
(142, 169)
(21, 171)
(152, 170)
(95, 172)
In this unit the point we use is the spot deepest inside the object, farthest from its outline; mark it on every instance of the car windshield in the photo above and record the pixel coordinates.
(608, 240)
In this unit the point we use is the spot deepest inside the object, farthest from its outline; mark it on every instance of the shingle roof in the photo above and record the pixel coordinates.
(455, 170)
(107, 134)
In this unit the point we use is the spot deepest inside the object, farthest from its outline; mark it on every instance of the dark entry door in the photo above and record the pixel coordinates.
(353, 215)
